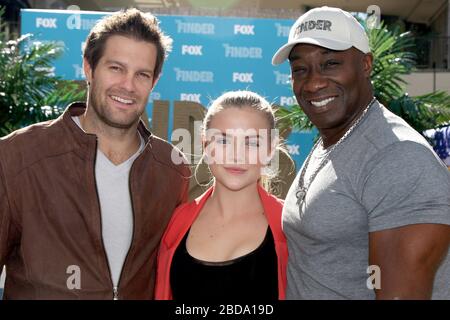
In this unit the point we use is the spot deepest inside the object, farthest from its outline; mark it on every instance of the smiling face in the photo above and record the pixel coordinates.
(332, 87)
(121, 82)
(237, 146)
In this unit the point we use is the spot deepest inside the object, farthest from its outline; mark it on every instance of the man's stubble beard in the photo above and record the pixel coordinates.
(102, 113)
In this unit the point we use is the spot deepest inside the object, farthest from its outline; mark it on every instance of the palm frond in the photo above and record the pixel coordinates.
(29, 91)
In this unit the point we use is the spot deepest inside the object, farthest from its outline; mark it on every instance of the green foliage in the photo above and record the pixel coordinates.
(393, 57)
(29, 93)
(293, 117)
(423, 112)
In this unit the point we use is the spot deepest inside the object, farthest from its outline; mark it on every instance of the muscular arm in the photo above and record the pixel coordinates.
(408, 258)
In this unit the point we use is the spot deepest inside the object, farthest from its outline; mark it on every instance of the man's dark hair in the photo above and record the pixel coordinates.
(130, 23)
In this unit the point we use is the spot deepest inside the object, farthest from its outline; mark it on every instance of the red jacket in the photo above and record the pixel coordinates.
(185, 215)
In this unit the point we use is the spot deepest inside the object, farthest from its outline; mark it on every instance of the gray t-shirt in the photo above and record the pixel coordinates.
(115, 204)
(384, 175)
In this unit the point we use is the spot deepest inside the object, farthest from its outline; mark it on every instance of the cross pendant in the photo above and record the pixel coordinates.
(301, 193)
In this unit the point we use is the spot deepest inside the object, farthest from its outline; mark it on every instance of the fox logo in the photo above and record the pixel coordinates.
(48, 23)
(244, 29)
(191, 50)
(243, 77)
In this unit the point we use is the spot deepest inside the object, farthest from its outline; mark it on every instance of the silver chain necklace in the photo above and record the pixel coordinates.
(302, 187)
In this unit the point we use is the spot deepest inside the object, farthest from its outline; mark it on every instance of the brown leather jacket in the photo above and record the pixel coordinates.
(50, 222)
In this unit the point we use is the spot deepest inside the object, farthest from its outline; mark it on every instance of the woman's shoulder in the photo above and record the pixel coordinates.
(182, 218)
(191, 206)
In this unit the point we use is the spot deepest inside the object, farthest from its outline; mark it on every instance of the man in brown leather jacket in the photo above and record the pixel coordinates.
(85, 198)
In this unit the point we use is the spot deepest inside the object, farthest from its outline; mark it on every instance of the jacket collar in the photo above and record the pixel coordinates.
(86, 141)
(272, 209)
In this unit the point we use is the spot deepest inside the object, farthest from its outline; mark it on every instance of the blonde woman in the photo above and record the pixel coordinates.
(228, 243)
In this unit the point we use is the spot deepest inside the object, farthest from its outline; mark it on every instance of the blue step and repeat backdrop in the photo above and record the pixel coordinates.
(210, 55)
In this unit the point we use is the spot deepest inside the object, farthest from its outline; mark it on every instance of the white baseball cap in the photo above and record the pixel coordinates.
(326, 27)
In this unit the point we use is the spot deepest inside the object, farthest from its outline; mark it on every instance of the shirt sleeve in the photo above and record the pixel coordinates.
(404, 184)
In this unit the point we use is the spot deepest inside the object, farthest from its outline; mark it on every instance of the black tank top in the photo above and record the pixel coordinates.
(252, 276)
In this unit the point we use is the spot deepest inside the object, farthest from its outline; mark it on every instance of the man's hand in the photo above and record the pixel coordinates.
(408, 258)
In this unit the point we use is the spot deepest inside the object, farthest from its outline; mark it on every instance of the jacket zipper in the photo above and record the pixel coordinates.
(115, 290)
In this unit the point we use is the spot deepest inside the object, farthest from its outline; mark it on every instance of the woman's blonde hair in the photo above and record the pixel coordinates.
(244, 99)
